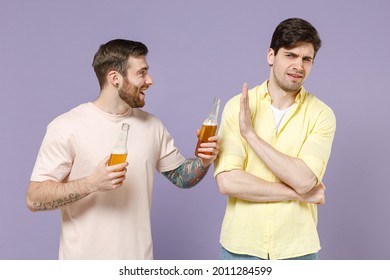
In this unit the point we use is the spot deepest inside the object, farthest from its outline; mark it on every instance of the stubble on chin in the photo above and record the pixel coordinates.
(293, 88)
(288, 86)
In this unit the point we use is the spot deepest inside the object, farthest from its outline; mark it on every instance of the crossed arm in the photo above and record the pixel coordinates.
(253, 188)
(298, 181)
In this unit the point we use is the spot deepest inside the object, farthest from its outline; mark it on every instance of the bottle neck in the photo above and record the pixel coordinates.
(121, 145)
(213, 116)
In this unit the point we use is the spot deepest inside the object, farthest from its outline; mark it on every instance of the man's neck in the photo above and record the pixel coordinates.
(281, 99)
(111, 103)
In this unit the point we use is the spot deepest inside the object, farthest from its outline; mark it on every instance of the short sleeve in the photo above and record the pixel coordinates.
(170, 157)
(232, 153)
(316, 149)
(55, 157)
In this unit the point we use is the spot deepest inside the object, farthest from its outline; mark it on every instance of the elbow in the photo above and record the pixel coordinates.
(223, 190)
(223, 186)
(305, 186)
(30, 205)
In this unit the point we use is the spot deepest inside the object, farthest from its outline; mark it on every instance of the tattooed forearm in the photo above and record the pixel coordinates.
(41, 206)
(188, 174)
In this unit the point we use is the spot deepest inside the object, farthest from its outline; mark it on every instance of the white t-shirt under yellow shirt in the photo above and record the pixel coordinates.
(113, 224)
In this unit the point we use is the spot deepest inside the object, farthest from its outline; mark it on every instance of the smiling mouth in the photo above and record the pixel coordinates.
(142, 91)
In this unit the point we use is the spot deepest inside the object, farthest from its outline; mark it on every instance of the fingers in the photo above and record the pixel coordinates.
(245, 89)
(215, 138)
(244, 96)
(207, 153)
(245, 121)
(322, 201)
(104, 161)
(321, 191)
(208, 150)
(321, 186)
(117, 177)
(212, 144)
(107, 177)
(117, 174)
(117, 167)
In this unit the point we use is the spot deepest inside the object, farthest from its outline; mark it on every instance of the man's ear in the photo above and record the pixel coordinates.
(114, 78)
(270, 56)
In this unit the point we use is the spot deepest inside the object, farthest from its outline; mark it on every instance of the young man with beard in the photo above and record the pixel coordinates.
(276, 141)
(106, 212)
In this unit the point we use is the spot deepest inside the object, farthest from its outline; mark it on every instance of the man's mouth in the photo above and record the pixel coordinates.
(142, 91)
(295, 75)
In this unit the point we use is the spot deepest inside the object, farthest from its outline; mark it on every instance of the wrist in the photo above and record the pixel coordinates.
(204, 163)
(88, 185)
(294, 195)
(250, 136)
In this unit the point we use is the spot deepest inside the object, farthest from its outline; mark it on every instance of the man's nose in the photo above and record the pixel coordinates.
(149, 80)
(298, 65)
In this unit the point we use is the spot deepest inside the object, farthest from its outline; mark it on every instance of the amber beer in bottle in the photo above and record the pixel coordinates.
(209, 126)
(119, 152)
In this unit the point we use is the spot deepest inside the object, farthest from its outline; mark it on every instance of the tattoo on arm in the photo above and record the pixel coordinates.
(41, 206)
(188, 174)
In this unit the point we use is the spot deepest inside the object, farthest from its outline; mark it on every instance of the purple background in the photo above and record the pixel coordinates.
(198, 49)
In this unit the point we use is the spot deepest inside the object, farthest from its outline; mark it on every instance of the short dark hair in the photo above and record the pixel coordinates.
(114, 55)
(293, 31)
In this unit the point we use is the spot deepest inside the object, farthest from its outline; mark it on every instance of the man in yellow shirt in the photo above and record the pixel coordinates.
(276, 141)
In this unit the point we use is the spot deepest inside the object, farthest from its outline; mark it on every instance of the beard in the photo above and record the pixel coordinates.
(130, 94)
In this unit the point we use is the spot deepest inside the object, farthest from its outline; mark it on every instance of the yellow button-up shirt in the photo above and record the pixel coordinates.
(274, 230)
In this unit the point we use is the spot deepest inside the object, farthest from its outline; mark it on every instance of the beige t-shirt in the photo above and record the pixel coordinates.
(113, 224)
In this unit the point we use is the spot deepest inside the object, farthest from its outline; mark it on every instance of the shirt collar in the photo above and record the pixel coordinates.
(265, 95)
(301, 95)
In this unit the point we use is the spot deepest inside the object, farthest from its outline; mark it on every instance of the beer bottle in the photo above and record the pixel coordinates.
(209, 126)
(119, 152)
